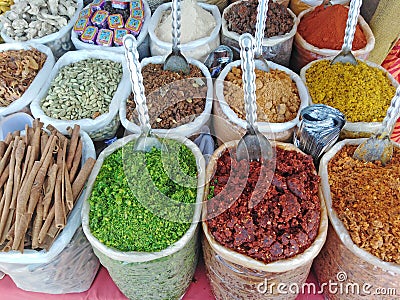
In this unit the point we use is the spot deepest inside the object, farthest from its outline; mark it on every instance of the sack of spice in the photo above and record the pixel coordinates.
(142, 220)
(280, 96)
(362, 203)
(264, 223)
(43, 22)
(240, 17)
(25, 67)
(104, 29)
(297, 6)
(52, 261)
(320, 34)
(200, 27)
(85, 87)
(364, 104)
(178, 103)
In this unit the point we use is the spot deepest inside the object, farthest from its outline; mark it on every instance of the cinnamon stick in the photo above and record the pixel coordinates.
(4, 160)
(59, 209)
(37, 224)
(76, 161)
(39, 179)
(2, 148)
(69, 197)
(8, 138)
(8, 189)
(46, 225)
(52, 175)
(25, 164)
(20, 231)
(19, 156)
(4, 175)
(83, 175)
(72, 146)
(43, 141)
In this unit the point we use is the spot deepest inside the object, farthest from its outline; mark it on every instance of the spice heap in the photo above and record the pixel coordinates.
(18, 68)
(196, 23)
(324, 27)
(106, 22)
(286, 219)
(83, 89)
(173, 99)
(28, 20)
(242, 17)
(277, 95)
(118, 216)
(361, 92)
(41, 179)
(5, 6)
(366, 198)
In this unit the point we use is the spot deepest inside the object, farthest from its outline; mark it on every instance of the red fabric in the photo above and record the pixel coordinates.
(392, 64)
(103, 288)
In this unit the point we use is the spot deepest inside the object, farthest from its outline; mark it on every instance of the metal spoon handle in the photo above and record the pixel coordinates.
(136, 77)
(392, 113)
(351, 24)
(262, 10)
(176, 25)
(246, 42)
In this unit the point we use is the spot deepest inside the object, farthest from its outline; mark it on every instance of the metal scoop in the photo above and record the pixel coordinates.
(345, 55)
(379, 145)
(175, 61)
(253, 145)
(262, 10)
(146, 140)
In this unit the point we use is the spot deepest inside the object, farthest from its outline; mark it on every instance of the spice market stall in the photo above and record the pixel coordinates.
(62, 62)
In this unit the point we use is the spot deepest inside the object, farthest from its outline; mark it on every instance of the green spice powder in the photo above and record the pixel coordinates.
(119, 220)
(361, 92)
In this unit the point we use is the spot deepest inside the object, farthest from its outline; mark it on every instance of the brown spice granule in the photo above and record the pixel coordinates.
(366, 197)
(277, 95)
(286, 219)
(173, 98)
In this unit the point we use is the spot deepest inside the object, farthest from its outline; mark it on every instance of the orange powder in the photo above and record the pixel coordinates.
(324, 28)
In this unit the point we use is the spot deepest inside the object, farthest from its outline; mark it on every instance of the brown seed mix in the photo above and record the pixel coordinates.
(277, 95)
(366, 197)
(173, 99)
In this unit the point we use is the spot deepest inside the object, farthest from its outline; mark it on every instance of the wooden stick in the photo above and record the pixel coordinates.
(83, 175)
(37, 224)
(8, 190)
(77, 161)
(52, 175)
(73, 145)
(46, 225)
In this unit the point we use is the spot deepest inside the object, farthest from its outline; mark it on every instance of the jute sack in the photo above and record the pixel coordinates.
(342, 261)
(304, 53)
(236, 276)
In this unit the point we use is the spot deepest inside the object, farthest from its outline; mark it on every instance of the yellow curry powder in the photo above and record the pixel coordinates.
(361, 92)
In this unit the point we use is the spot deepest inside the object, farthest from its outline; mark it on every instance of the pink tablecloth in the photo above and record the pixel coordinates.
(103, 288)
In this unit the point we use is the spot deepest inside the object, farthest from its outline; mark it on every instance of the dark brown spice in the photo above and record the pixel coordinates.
(278, 220)
(173, 99)
(242, 17)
